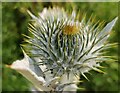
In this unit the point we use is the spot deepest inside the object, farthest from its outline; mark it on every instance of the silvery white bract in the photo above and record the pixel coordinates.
(61, 49)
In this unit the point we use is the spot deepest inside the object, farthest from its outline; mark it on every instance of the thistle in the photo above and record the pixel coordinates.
(61, 49)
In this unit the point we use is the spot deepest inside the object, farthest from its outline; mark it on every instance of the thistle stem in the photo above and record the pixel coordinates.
(70, 81)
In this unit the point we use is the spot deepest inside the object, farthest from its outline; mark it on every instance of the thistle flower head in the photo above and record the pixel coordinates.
(62, 45)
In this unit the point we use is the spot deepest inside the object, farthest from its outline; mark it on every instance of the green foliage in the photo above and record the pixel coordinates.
(14, 23)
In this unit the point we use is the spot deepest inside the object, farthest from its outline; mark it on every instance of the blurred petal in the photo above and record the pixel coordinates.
(106, 30)
(26, 69)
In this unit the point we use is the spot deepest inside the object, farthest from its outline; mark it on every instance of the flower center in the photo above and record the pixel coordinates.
(70, 30)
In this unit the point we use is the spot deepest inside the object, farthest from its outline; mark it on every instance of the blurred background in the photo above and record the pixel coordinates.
(14, 23)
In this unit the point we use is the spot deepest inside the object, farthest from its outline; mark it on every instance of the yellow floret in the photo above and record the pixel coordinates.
(70, 30)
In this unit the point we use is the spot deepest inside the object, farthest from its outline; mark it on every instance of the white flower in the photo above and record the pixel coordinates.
(61, 49)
